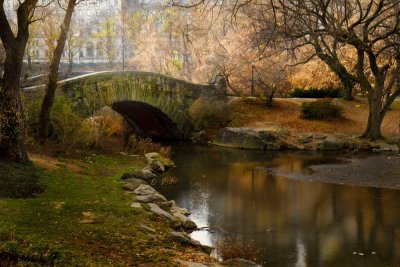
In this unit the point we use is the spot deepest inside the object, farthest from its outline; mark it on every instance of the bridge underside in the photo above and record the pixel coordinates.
(147, 120)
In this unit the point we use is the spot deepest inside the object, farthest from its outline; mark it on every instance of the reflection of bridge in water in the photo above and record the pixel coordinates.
(154, 105)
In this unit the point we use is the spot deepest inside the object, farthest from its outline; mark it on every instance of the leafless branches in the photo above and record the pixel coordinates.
(327, 29)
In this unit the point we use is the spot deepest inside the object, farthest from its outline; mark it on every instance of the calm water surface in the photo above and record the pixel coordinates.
(293, 222)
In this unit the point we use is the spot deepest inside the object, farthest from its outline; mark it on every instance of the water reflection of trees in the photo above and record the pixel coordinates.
(332, 224)
(333, 221)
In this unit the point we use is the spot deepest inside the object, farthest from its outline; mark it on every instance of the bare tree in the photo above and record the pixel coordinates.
(49, 33)
(295, 26)
(371, 28)
(12, 125)
(325, 29)
(73, 45)
(106, 36)
(158, 41)
(52, 80)
(271, 76)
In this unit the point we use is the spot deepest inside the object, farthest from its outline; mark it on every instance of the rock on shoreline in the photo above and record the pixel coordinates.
(135, 183)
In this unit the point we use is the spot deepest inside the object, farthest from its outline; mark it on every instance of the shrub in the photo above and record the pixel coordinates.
(330, 92)
(146, 145)
(68, 128)
(110, 122)
(236, 247)
(209, 113)
(107, 127)
(71, 132)
(320, 109)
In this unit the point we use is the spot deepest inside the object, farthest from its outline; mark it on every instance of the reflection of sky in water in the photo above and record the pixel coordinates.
(294, 223)
(199, 205)
(301, 253)
(199, 201)
(203, 236)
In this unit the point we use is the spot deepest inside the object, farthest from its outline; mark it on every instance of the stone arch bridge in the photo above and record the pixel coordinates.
(155, 105)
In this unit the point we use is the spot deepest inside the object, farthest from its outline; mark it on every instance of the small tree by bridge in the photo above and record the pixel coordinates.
(52, 79)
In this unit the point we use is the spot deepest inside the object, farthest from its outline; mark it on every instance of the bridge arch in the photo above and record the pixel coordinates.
(147, 120)
(162, 98)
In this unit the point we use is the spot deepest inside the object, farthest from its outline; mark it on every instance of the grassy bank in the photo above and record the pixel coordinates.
(285, 115)
(77, 215)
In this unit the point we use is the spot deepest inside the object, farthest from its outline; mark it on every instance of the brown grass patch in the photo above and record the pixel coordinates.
(51, 163)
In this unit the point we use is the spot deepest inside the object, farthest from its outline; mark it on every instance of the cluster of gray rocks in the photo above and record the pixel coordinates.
(247, 138)
(138, 183)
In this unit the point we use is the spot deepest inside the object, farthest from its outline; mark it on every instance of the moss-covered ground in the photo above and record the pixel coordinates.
(73, 213)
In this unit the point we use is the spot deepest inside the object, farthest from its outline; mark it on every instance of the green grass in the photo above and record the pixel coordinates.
(47, 229)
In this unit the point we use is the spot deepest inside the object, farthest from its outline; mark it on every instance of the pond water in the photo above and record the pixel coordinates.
(293, 222)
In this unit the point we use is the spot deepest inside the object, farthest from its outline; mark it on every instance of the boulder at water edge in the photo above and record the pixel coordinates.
(157, 161)
(239, 138)
(139, 174)
(145, 193)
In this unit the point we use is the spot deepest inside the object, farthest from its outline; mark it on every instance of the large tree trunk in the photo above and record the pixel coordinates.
(373, 130)
(348, 88)
(12, 121)
(48, 100)
(376, 113)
